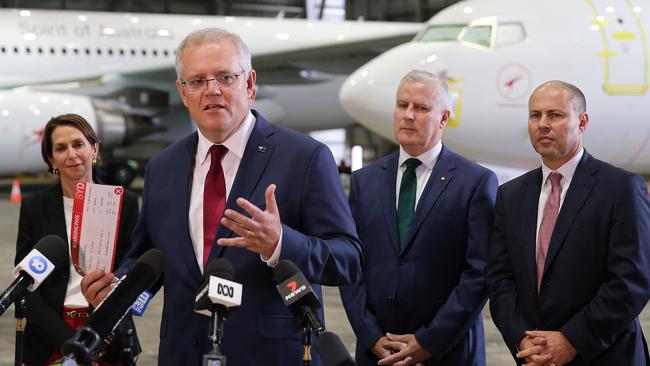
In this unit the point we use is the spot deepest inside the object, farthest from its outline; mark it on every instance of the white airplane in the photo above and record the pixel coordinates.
(494, 53)
(118, 70)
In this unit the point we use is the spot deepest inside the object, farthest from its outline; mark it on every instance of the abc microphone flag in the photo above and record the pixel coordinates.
(218, 288)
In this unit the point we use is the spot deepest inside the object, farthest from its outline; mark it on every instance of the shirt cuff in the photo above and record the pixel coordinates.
(273, 260)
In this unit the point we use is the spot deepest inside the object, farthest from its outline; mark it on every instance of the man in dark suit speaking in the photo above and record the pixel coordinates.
(249, 191)
(569, 267)
(423, 215)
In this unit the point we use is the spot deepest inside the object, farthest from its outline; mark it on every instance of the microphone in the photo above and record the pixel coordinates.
(332, 351)
(48, 253)
(218, 292)
(217, 296)
(85, 344)
(297, 294)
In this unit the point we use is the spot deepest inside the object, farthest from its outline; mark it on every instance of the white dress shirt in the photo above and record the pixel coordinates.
(567, 170)
(236, 145)
(422, 172)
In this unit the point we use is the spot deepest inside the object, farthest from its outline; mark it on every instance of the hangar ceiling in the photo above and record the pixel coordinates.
(398, 10)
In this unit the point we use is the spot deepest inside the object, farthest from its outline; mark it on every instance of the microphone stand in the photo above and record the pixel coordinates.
(215, 357)
(19, 308)
(306, 346)
(127, 345)
(310, 323)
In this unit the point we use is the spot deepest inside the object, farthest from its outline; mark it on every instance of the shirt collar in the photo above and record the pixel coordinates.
(567, 170)
(236, 143)
(428, 158)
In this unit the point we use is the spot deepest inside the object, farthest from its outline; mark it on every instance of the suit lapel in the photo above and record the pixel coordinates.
(441, 176)
(186, 175)
(55, 208)
(257, 154)
(388, 200)
(581, 184)
(531, 190)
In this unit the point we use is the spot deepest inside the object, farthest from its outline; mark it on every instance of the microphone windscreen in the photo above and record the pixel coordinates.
(284, 270)
(54, 249)
(220, 267)
(140, 277)
(332, 351)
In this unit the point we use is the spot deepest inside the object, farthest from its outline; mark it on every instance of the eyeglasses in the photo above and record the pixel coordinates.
(221, 81)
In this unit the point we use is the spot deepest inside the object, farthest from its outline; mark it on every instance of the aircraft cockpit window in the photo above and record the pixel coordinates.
(510, 33)
(440, 33)
(479, 35)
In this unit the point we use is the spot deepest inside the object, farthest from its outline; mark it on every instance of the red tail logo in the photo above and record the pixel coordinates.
(293, 285)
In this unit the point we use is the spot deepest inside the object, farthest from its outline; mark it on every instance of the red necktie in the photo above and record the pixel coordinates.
(551, 210)
(214, 199)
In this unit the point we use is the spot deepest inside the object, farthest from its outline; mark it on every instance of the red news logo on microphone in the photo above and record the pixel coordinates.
(293, 285)
(295, 290)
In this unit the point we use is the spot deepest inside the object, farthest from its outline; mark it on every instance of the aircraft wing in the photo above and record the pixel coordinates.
(285, 51)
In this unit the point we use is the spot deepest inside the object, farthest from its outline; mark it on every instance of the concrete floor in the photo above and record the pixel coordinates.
(148, 325)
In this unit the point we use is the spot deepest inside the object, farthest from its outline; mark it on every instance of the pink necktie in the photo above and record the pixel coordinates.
(551, 210)
(214, 199)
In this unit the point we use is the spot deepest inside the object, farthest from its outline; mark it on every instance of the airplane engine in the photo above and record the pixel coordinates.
(23, 115)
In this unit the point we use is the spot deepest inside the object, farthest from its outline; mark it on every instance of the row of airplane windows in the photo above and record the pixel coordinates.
(85, 50)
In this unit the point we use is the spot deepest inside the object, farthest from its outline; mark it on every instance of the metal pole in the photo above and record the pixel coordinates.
(19, 308)
(306, 346)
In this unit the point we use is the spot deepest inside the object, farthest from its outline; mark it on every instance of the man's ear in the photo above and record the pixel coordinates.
(250, 86)
(584, 121)
(181, 92)
(445, 118)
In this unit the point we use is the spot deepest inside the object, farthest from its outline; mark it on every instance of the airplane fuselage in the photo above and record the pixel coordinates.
(507, 48)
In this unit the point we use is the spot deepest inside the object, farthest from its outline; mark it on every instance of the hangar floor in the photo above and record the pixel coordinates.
(149, 323)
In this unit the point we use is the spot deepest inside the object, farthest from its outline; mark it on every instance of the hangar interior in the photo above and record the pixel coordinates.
(382, 10)
(393, 10)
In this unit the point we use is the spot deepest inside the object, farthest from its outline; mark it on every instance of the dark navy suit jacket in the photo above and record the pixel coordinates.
(596, 278)
(318, 236)
(434, 288)
(42, 213)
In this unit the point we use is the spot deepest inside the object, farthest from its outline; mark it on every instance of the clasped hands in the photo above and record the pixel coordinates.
(400, 350)
(542, 347)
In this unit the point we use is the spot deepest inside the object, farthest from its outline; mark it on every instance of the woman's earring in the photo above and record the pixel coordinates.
(94, 161)
(55, 171)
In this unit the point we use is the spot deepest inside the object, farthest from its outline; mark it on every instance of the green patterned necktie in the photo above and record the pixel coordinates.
(406, 202)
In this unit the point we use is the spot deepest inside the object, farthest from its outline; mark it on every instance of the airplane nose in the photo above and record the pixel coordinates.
(368, 94)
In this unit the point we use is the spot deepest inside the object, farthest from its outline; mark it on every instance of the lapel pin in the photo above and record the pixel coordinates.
(262, 149)
(442, 178)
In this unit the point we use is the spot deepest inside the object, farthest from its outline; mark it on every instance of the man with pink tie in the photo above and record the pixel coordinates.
(569, 268)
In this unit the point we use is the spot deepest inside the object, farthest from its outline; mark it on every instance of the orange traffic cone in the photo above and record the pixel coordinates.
(15, 195)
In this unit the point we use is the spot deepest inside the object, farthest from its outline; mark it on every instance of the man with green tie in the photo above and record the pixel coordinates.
(423, 215)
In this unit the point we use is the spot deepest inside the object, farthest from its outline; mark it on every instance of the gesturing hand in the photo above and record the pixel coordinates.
(258, 233)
